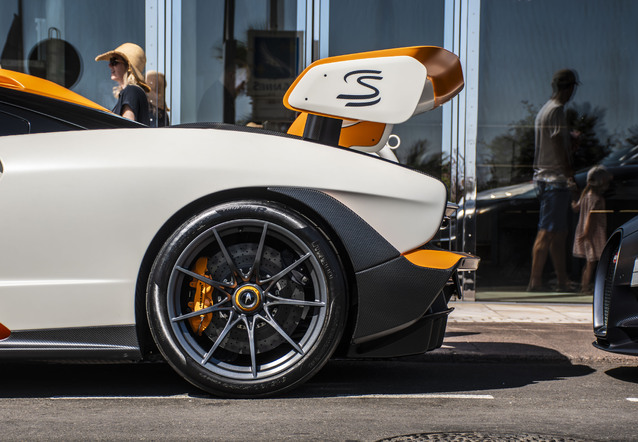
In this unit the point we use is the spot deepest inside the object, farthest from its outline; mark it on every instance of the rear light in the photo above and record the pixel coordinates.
(4, 332)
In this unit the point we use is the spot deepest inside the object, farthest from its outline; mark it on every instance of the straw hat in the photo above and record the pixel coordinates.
(134, 57)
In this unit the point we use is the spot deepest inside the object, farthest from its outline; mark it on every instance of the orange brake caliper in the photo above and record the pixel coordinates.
(203, 298)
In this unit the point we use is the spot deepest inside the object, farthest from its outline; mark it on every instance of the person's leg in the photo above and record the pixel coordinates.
(541, 243)
(558, 254)
(539, 257)
(588, 272)
(558, 202)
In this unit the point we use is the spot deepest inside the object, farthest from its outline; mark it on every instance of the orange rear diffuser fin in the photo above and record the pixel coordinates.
(434, 259)
(4, 332)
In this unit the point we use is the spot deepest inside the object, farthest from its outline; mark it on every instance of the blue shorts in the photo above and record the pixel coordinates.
(555, 200)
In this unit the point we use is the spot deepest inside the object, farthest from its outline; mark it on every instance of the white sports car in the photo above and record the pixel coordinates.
(246, 258)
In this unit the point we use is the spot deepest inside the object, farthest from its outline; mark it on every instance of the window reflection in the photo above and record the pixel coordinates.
(521, 45)
(364, 25)
(238, 59)
(58, 40)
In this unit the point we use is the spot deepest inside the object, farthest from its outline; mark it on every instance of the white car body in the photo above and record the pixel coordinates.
(80, 209)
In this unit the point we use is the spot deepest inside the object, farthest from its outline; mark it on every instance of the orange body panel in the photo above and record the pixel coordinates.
(362, 133)
(443, 67)
(4, 332)
(46, 88)
(434, 259)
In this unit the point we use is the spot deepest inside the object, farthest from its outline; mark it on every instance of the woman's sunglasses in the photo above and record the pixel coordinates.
(114, 61)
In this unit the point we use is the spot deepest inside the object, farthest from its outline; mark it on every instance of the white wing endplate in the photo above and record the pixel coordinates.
(382, 89)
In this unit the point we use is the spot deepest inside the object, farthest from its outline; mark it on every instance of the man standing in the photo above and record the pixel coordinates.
(554, 180)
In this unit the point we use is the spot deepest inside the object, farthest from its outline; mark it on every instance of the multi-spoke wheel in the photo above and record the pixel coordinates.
(246, 299)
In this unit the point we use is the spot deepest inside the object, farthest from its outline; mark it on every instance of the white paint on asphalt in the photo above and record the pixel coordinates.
(420, 396)
(362, 396)
(632, 399)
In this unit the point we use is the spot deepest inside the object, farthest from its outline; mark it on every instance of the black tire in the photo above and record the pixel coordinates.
(276, 310)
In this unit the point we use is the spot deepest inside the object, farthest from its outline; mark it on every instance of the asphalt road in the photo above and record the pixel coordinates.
(347, 400)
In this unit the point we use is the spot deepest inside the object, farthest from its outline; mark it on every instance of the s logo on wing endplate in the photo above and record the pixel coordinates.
(362, 99)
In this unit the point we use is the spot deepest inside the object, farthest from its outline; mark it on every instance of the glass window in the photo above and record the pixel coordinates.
(59, 40)
(238, 59)
(366, 25)
(12, 125)
(34, 121)
(523, 44)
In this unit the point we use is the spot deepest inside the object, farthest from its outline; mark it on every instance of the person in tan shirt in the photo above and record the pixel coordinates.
(554, 181)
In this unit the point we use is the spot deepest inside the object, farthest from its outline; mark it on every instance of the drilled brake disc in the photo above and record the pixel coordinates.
(286, 316)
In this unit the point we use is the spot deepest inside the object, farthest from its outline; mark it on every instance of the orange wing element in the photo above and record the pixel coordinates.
(361, 133)
(297, 126)
(441, 259)
(443, 69)
(203, 298)
(4, 332)
(46, 88)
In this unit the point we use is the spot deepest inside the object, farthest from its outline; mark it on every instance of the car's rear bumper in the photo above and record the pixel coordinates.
(625, 348)
(403, 303)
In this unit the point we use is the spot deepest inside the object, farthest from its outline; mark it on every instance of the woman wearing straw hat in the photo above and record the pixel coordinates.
(127, 64)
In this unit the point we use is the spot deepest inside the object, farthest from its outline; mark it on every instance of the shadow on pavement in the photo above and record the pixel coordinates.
(418, 376)
(20, 380)
(490, 351)
(412, 375)
(625, 374)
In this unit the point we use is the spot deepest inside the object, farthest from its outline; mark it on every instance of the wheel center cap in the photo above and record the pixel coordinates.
(247, 298)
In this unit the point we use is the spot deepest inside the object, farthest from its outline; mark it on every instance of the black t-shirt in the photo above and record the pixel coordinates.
(135, 97)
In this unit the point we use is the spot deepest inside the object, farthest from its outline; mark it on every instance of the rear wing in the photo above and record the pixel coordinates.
(370, 92)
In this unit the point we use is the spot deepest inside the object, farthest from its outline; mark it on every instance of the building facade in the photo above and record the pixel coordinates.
(232, 60)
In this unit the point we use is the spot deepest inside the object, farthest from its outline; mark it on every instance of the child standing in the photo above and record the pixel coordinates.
(591, 231)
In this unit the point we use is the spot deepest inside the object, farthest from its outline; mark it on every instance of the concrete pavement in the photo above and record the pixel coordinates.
(520, 312)
(493, 331)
